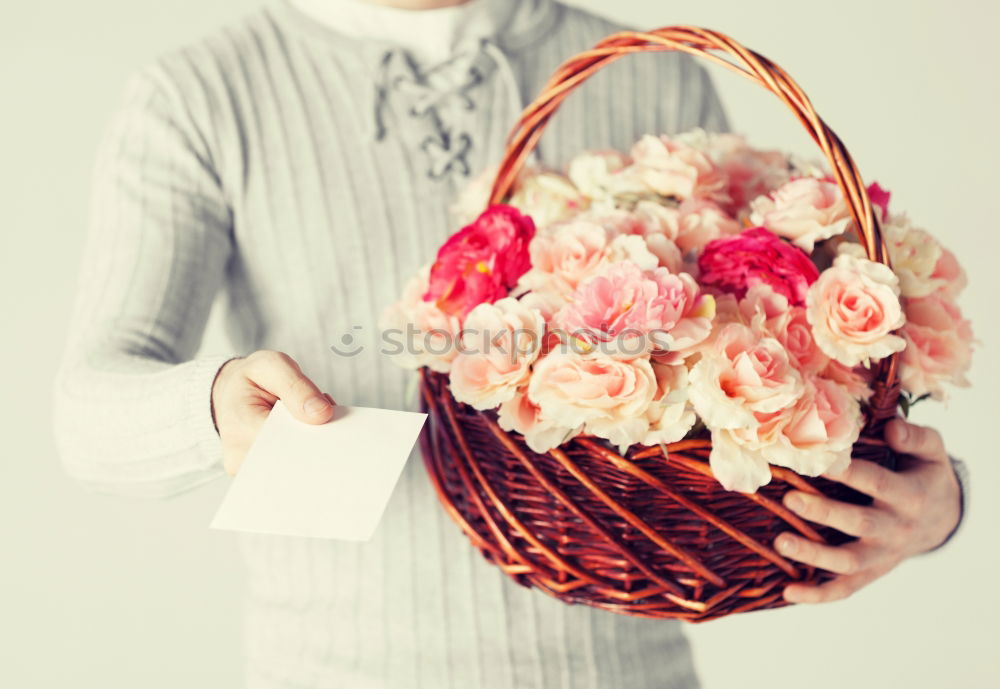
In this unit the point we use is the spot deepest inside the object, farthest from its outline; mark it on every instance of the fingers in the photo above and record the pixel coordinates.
(279, 375)
(855, 520)
(875, 480)
(850, 558)
(836, 589)
(918, 441)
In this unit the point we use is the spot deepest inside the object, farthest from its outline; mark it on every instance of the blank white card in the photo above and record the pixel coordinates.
(327, 481)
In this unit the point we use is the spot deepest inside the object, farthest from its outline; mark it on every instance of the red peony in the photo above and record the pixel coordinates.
(757, 257)
(482, 261)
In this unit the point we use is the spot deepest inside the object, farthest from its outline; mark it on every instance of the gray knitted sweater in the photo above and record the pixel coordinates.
(279, 164)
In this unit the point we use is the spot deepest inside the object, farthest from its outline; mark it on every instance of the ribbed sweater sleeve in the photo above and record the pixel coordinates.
(132, 404)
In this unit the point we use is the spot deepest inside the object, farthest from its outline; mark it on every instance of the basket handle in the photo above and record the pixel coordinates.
(701, 42)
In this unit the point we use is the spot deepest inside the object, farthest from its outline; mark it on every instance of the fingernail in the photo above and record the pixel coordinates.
(315, 406)
(794, 502)
(902, 431)
(786, 544)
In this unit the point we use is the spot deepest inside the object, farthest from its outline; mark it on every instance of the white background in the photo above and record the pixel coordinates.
(106, 593)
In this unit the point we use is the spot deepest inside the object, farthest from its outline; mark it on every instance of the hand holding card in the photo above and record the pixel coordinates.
(321, 481)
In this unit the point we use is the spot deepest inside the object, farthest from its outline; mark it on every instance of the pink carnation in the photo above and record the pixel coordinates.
(482, 261)
(626, 301)
(757, 257)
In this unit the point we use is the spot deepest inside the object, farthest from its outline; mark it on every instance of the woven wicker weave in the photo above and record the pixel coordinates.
(652, 533)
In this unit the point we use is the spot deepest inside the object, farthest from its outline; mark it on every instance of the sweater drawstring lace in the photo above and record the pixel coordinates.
(443, 95)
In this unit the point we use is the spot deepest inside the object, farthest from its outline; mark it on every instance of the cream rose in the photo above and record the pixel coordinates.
(438, 331)
(670, 414)
(853, 309)
(564, 256)
(608, 397)
(672, 168)
(804, 211)
(499, 343)
(743, 372)
(520, 415)
(813, 435)
(819, 430)
(701, 221)
(914, 254)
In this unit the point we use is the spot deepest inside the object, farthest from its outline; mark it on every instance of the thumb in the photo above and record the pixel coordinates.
(279, 375)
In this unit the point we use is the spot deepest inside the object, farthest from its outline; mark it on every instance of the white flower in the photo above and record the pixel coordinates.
(602, 175)
(914, 254)
(548, 198)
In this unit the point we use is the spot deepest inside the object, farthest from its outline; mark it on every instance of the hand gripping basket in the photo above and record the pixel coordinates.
(651, 533)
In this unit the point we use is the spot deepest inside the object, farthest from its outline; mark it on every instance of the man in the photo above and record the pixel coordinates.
(302, 163)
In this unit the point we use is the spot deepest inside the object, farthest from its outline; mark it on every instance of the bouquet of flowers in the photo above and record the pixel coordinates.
(693, 287)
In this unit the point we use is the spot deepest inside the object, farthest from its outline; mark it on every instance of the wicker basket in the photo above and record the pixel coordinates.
(651, 533)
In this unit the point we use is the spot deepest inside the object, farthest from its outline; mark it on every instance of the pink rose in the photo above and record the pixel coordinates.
(675, 169)
(625, 301)
(938, 346)
(521, 415)
(499, 343)
(608, 397)
(742, 373)
(481, 262)
(854, 308)
(563, 256)
(757, 257)
(804, 211)
(857, 381)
